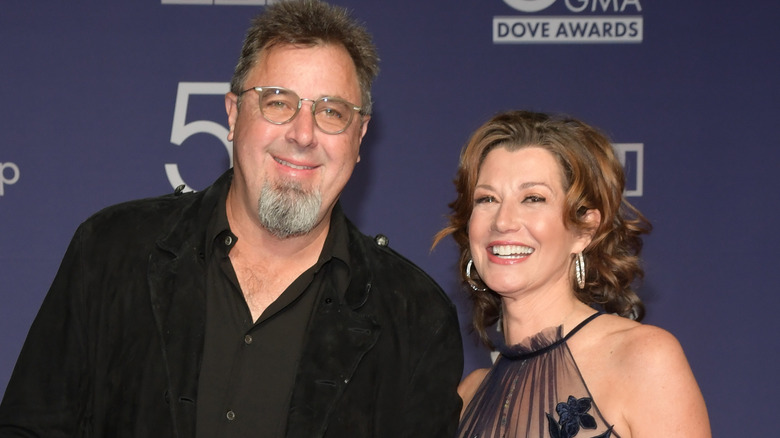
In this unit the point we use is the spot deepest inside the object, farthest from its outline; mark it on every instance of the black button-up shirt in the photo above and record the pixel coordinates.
(249, 368)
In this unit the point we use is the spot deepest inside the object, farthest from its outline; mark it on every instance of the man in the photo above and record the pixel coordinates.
(252, 308)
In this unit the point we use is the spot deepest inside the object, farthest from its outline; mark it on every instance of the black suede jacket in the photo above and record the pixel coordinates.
(115, 350)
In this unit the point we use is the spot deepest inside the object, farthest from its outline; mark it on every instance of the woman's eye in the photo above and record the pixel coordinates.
(484, 200)
(534, 199)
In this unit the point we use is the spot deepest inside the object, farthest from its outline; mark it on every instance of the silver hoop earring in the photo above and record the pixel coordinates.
(469, 280)
(579, 269)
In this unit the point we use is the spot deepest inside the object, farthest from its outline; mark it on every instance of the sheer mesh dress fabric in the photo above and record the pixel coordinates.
(535, 390)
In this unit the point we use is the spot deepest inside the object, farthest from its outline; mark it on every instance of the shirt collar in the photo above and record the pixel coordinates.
(218, 226)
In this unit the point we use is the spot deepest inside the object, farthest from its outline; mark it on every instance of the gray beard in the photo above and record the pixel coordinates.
(287, 210)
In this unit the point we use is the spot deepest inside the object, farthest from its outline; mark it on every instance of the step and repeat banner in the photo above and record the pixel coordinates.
(102, 102)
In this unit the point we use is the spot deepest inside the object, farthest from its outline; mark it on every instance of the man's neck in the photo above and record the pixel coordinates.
(266, 264)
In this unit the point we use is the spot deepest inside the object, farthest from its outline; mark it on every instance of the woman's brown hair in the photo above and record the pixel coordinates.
(593, 179)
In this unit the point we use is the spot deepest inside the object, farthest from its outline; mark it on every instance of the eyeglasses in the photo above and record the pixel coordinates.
(280, 105)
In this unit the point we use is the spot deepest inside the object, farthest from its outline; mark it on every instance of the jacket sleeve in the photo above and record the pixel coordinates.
(46, 394)
(432, 407)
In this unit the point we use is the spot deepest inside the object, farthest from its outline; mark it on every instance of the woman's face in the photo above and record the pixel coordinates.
(516, 232)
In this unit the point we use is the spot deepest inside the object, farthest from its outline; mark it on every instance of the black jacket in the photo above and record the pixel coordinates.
(115, 350)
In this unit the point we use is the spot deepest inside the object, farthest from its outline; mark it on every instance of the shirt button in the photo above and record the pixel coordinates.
(248, 339)
(228, 240)
(231, 415)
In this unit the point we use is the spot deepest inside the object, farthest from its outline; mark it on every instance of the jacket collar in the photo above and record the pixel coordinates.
(193, 220)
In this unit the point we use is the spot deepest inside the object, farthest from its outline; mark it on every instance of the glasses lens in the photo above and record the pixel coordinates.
(332, 115)
(278, 105)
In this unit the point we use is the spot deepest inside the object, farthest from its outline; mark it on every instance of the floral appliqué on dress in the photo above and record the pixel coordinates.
(573, 415)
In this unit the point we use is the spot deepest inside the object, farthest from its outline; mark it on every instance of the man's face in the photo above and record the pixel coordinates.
(296, 161)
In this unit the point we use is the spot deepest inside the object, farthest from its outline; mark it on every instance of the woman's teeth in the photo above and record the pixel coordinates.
(512, 250)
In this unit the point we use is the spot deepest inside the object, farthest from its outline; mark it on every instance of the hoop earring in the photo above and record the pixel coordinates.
(469, 280)
(579, 269)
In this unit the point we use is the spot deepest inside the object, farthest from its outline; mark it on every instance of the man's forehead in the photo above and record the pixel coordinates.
(329, 66)
(273, 50)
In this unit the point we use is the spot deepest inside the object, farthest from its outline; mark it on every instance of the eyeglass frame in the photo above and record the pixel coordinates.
(314, 102)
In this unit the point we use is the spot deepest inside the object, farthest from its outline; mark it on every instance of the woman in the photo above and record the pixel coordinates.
(546, 237)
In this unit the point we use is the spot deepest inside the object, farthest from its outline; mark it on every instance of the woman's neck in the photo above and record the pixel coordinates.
(522, 318)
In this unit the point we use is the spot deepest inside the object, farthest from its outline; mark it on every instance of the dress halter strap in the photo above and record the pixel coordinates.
(581, 325)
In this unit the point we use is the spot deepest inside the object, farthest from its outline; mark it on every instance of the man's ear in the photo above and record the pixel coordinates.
(363, 129)
(364, 126)
(231, 107)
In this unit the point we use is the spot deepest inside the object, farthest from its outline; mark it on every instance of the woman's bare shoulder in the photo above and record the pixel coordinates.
(468, 387)
(649, 365)
(636, 350)
(642, 345)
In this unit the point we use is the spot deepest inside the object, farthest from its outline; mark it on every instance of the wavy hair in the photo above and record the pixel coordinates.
(309, 23)
(593, 179)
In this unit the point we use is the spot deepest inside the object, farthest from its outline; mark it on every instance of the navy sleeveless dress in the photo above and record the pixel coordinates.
(535, 390)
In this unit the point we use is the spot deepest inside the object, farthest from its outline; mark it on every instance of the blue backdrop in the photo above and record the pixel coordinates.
(102, 102)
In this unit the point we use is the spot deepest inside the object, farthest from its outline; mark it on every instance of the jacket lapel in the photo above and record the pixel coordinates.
(342, 330)
(176, 280)
(178, 303)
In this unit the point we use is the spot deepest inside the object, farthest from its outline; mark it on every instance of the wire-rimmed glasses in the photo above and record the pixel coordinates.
(280, 105)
